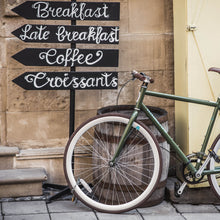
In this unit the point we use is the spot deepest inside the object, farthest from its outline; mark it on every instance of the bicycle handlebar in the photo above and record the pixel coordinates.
(142, 77)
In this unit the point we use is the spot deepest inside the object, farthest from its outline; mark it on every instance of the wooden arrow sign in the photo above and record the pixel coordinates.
(67, 80)
(68, 34)
(67, 57)
(60, 10)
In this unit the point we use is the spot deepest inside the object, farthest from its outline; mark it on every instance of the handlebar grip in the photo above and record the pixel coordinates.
(151, 80)
(142, 77)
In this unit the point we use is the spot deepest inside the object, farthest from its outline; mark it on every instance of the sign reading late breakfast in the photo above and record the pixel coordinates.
(68, 57)
(67, 34)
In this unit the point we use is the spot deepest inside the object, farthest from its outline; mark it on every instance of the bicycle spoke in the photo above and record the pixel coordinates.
(125, 174)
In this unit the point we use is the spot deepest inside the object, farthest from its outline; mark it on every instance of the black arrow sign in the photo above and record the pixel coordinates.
(68, 34)
(67, 80)
(69, 10)
(67, 57)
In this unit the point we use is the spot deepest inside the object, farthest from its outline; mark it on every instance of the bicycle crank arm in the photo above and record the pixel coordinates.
(182, 187)
(201, 169)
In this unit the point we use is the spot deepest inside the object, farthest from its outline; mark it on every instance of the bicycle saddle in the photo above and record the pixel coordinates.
(215, 69)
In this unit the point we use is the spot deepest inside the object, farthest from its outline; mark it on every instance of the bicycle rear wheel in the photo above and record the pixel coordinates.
(97, 184)
(214, 179)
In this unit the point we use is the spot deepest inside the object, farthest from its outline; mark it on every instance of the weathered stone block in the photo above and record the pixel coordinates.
(6, 162)
(169, 57)
(81, 116)
(2, 29)
(2, 53)
(87, 99)
(51, 159)
(1, 8)
(123, 77)
(1, 89)
(21, 182)
(163, 81)
(7, 157)
(142, 52)
(147, 16)
(17, 190)
(168, 11)
(37, 129)
(3, 128)
(126, 96)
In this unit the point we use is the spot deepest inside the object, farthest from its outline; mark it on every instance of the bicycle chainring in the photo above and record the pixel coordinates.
(188, 176)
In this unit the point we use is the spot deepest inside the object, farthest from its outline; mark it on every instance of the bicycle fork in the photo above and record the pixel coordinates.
(129, 125)
(124, 137)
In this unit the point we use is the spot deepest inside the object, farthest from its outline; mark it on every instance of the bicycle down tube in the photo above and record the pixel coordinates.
(128, 127)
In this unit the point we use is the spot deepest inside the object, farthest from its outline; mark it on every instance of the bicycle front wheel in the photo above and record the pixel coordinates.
(214, 179)
(117, 188)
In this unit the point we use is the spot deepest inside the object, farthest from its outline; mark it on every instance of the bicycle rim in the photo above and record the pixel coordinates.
(121, 187)
(214, 179)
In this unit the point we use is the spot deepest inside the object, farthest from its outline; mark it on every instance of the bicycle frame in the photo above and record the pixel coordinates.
(140, 106)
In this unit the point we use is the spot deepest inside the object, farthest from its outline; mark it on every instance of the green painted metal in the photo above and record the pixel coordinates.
(208, 172)
(141, 96)
(182, 99)
(124, 136)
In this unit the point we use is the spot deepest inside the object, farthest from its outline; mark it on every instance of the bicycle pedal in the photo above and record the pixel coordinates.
(214, 155)
(176, 187)
(73, 198)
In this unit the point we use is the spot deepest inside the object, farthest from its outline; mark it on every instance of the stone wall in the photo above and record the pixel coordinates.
(40, 119)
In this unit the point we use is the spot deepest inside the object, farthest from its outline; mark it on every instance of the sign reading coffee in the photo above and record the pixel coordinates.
(68, 57)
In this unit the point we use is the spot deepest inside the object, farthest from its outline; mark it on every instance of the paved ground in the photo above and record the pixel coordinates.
(67, 210)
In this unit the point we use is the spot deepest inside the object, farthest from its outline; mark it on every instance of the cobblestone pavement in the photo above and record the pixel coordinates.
(67, 210)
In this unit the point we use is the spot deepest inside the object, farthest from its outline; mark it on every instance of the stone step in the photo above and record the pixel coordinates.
(7, 157)
(22, 182)
(50, 158)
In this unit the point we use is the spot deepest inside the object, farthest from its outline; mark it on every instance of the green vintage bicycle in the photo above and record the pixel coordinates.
(113, 162)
